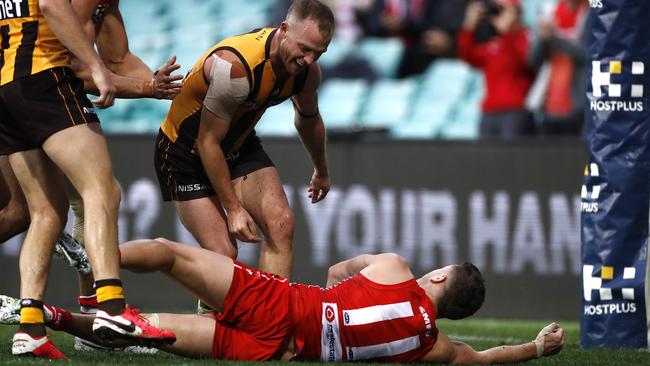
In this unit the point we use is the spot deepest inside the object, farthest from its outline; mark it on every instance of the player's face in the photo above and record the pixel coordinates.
(302, 46)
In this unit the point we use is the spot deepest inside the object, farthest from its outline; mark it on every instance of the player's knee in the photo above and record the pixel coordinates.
(50, 217)
(281, 224)
(107, 195)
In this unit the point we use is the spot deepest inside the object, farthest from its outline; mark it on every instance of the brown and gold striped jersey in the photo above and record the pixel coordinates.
(27, 44)
(181, 125)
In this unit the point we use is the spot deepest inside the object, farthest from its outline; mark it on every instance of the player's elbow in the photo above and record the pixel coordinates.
(331, 271)
(334, 274)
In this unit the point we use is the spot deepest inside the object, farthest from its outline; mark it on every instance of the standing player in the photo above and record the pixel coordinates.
(372, 310)
(103, 25)
(208, 159)
(47, 122)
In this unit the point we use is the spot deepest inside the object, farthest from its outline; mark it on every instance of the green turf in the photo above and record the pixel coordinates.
(479, 333)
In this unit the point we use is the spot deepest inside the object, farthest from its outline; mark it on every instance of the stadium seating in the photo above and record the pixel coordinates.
(389, 103)
(340, 101)
(384, 54)
(443, 102)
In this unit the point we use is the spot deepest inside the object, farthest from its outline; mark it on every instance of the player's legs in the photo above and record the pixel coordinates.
(43, 186)
(87, 165)
(207, 275)
(82, 155)
(262, 195)
(14, 216)
(86, 281)
(194, 334)
(206, 220)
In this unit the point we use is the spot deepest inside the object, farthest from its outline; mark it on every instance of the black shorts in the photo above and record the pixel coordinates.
(35, 107)
(181, 175)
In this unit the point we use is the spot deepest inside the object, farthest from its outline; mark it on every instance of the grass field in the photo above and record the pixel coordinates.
(479, 333)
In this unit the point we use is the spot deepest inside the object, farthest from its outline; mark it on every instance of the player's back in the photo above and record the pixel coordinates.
(359, 319)
(28, 44)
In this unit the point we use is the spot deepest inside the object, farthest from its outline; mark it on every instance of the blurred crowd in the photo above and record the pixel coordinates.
(534, 75)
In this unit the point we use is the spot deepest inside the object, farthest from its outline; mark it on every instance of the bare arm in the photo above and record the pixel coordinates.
(311, 129)
(548, 342)
(347, 268)
(132, 77)
(212, 130)
(385, 268)
(63, 22)
(216, 116)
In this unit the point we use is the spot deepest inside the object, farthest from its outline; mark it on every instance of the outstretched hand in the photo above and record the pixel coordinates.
(164, 85)
(550, 340)
(319, 186)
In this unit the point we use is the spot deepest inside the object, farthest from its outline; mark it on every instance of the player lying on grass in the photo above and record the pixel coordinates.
(373, 309)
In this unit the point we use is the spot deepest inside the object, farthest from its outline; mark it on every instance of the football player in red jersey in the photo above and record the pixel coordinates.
(373, 309)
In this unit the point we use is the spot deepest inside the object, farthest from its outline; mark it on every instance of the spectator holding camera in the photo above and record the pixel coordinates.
(493, 39)
(559, 51)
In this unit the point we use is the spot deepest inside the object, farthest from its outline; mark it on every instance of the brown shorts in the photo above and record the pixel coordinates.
(37, 106)
(181, 175)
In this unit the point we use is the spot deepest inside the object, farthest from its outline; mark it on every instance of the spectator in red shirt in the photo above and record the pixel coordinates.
(561, 48)
(503, 58)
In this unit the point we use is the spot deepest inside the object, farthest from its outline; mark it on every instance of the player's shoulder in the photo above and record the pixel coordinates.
(237, 69)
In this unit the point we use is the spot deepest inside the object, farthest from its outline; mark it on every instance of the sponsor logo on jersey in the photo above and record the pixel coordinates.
(427, 321)
(191, 187)
(613, 99)
(260, 36)
(610, 284)
(331, 349)
(11, 9)
(88, 110)
(329, 314)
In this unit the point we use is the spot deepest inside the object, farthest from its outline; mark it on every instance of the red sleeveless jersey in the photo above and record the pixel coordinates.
(359, 319)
